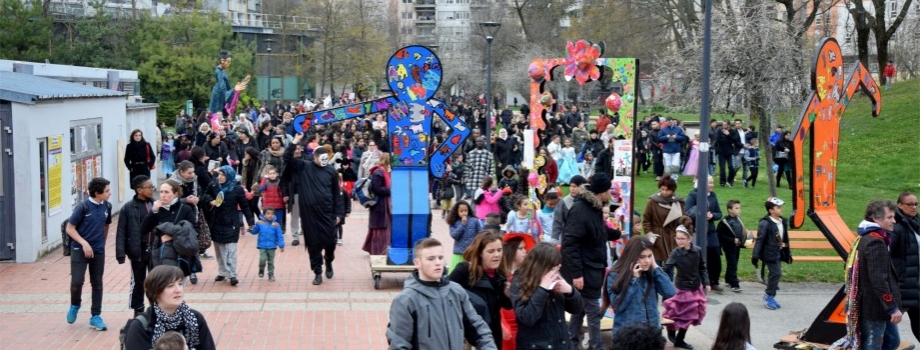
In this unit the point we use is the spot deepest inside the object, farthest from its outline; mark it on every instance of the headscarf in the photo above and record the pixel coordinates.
(230, 174)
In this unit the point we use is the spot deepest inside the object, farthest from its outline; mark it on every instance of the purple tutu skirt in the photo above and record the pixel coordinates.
(686, 309)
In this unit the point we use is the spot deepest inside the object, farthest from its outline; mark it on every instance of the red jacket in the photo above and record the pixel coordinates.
(889, 71)
(271, 194)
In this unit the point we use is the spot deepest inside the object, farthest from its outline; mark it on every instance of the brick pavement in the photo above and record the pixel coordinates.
(290, 313)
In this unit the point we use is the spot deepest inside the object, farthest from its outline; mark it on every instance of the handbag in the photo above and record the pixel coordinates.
(749, 241)
(447, 192)
(782, 155)
(204, 232)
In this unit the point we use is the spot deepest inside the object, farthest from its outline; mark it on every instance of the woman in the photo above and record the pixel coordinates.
(484, 276)
(713, 213)
(169, 209)
(244, 140)
(782, 156)
(249, 167)
(225, 220)
(541, 298)
(168, 312)
(734, 329)
(513, 252)
(265, 135)
(202, 136)
(273, 155)
(139, 156)
(216, 149)
(378, 225)
(660, 220)
(632, 282)
(200, 159)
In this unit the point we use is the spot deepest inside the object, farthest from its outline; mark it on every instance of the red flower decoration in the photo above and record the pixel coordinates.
(580, 61)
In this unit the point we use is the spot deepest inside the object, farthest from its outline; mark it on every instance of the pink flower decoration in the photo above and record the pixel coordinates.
(580, 62)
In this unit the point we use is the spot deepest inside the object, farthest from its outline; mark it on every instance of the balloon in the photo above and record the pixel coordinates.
(536, 70)
(613, 102)
(532, 179)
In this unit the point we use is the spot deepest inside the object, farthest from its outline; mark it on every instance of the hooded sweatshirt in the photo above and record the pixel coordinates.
(428, 315)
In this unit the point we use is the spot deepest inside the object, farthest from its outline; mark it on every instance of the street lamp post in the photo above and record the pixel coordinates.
(268, 44)
(488, 30)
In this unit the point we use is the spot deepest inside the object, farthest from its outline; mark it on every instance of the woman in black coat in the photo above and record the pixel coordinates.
(168, 209)
(229, 201)
(217, 150)
(541, 297)
(483, 274)
(782, 156)
(139, 156)
(905, 256)
(504, 150)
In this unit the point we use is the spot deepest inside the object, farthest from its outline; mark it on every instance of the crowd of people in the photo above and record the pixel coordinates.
(517, 265)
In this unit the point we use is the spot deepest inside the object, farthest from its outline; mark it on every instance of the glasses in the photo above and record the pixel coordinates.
(914, 204)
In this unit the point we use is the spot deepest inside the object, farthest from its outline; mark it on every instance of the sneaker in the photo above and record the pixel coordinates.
(234, 281)
(769, 302)
(219, 278)
(731, 184)
(778, 306)
(295, 243)
(737, 289)
(339, 242)
(271, 277)
(318, 280)
(206, 256)
(96, 322)
(717, 288)
(261, 273)
(72, 313)
(193, 278)
(745, 183)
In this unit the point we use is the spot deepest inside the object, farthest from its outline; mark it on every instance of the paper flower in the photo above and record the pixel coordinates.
(580, 62)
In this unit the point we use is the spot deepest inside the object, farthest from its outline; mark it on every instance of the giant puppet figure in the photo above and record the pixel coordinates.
(224, 97)
(413, 74)
(584, 63)
(832, 91)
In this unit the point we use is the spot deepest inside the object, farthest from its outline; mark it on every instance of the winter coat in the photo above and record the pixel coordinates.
(726, 144)
(318, 197)
(184, 243)
(270, 236)
(877, 295)
(905, 255)
(691, 268)
(671, 145)
(541, 319)
(138, 338)
(463, 235)
(603, 164)
(729, 229)
(139, 157)
(508, 181)
(176, 213)
(636, 308)
(220, 151)
(490, 290)
(584, 239)
(130, 239)
(271, 193)
(380, 186)
(767, 246)
(504, 151)
(560, 215)
(713, 206)
(595, 146)
(654, 220)
(435, 315)
(489, 204)
(225, 220)
(579, 137)
(266, 157)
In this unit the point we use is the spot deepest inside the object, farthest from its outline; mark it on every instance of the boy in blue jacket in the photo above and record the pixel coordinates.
(270, 238)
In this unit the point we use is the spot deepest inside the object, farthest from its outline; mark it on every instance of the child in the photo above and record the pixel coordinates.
(270, 189)
(514, 250)
(693, 158)
(519, 218)
(587, 167)
(546, 215)
(541, 297)
(634, 284)
(348, 175)
(568, 164)
(752, 161)
(463, 228)
(448, 189)
(270, 238)
(413, 325)
(346, 202)
(507, 204)
(732, 234)
(772, 246)
(166, 154)
(171, 340)
(688, 307)
(734, 329)
(492, 222)
(508, 179)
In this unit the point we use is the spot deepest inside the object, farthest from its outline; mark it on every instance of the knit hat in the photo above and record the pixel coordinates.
(600, 183)
(578, 180)
(507, 190)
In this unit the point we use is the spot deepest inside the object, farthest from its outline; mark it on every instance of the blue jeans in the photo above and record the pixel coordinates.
(879, 335)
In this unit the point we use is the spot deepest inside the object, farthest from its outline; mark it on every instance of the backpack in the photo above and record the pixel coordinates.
(123, 333)
(66, 241)
(362, 192)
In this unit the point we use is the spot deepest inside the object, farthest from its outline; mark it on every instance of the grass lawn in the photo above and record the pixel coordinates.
(879, 158)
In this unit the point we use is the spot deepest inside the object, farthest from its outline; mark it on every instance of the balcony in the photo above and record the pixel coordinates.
(425, 4)
(425, 20)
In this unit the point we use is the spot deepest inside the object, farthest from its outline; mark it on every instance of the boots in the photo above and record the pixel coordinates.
(329, 272)
(318, 279)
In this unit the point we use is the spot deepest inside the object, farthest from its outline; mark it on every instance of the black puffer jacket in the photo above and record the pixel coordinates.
(584, 241)
(130, 239)
(541, 320)
(224, 220)
(905, 256)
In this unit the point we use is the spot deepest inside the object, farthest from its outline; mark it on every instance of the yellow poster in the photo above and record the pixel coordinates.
(55, 169)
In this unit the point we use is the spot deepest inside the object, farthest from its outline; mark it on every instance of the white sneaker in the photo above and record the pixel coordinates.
(338, 242)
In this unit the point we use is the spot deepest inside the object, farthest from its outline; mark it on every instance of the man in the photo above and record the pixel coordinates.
(506, 116)
(874, 281)
(593, 145)
(584, 254)
(321, 206)
(739, 150)
(479, 164)
(654, 147)
(432, 312)
(888, 74)
(470, 144)
(562, 208)
(181, 122)
(776, 135)
(570, 120)
(131, 242)
(291, 198)
(671, 136)
(604, 162)
(725, 149)
(263, 116)
(905, 255)
(88, 227)
(368, 159)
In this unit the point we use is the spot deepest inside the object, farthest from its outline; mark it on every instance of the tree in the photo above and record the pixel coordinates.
(875, 22)
(101, 41)
(26, 31)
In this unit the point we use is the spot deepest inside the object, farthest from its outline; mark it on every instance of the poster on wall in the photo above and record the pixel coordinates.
(55, 167)
(622, 161)
(88, 174)
(76, 181)
(97, 162)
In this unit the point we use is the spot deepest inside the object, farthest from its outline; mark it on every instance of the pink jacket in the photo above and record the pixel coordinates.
(489, 204)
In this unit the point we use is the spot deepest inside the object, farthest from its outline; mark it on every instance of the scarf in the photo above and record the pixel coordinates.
(167, 205)
(230, 174)
(183, 321)
(674, 211)
(274, 153)
(193, 181)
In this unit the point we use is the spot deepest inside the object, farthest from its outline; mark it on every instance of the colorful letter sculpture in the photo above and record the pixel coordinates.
(414, 75)
(585, 64)
(820, 119)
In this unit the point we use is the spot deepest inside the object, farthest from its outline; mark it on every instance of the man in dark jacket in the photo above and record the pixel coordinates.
(873, 279)
(506, 116)
(671, 137)
(905, 255)
(504, 151)
(584, 254)
(713, 215)
(130, 241)
(603, 164)
(320, 205)
(593, 144)
(726, 144)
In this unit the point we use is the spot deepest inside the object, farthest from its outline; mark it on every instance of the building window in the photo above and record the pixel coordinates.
(848, 37)
(892, 10)
(407, 15)
(462, 15)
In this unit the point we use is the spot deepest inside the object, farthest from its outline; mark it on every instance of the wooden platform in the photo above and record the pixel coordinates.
(379, 265)
(791, 342)
(813, 240)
